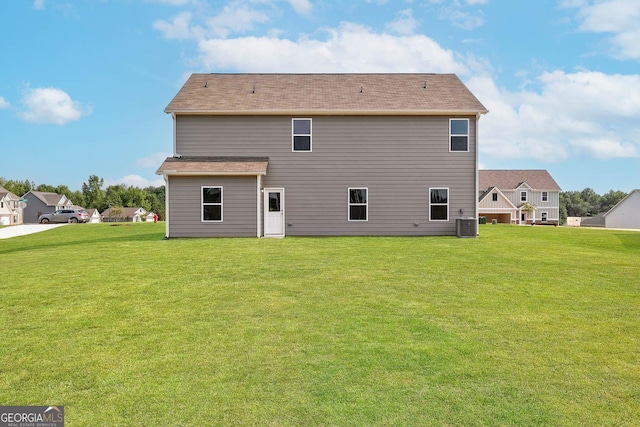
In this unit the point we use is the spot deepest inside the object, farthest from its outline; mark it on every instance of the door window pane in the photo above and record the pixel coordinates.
(274, 202)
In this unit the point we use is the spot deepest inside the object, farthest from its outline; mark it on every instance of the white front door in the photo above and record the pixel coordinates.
(274, 212)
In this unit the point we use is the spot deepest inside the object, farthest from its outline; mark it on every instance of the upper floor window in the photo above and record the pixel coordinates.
(523, 196)
(438, 204)
(494, 197)
(459, 134)
(301, 129)
(358, 204)
(545, 196)
(212, 204)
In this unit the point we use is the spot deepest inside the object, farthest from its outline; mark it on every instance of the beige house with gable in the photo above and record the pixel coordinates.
(525, 197)
(10, 210)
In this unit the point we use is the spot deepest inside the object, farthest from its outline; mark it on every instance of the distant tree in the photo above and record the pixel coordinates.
(19, 188)
(157, 199)
(114, 195)
(591, 200)
(46, 188)
(93, 194)
(116, 212)
(611, 199)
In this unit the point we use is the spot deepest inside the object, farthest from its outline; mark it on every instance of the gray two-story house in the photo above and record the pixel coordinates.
(42, 202)
(321, 155)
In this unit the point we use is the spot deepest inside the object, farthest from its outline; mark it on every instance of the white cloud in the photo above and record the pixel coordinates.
(619, 18)
(580, 114)
(461, 18)
(178, 28)
(348, 48)
(303, 7)
(153, 160)
(135, 181)
(4, 104)
(404, 24)
(38, 4)
(51, 105)
(235, 18)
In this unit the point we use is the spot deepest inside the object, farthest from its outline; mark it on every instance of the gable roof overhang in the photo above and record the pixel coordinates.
(212, 166)
(502, 196)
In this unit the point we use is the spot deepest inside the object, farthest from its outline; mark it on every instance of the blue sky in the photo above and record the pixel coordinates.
(83, 83)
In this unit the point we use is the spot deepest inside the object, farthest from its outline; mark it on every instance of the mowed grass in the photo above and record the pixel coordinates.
(521, 326)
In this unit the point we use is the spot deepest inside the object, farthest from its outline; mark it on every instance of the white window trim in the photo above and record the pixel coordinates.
(293, 135)
(202, 203)
(543, 198)
(439, 204)
(349, 204)
(526, 196)
(467, 135)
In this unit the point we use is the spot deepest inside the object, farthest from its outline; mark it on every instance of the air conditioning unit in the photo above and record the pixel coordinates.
(466, 227)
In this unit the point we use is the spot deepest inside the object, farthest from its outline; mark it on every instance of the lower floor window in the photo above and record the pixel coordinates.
(358, 204)
(212, 204)
(544, 216)
(438, 204)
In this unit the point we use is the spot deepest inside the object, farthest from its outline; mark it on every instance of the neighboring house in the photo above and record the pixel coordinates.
(10, 210)
(40, 202)
(625, 213)
(519, 197)
(118, 214)
(321, 154)
(94, 216)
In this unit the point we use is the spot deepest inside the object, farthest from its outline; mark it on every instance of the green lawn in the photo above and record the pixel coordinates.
(521, 326)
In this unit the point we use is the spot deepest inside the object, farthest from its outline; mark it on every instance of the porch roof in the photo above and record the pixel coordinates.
(199, 165)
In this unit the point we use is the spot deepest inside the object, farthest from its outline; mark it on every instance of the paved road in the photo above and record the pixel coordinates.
(22, 230)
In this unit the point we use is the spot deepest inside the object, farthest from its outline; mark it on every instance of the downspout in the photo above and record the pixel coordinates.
(258, 204)
(175, 148)
(166, 206)
(477, 183)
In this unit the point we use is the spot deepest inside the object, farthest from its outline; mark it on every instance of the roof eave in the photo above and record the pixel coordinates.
(313, 112)
(209, 173)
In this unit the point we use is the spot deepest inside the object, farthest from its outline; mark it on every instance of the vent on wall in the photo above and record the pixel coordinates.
(466, 227)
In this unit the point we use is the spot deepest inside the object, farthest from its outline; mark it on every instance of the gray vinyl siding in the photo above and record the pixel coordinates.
(535, 198)
(239, 205)
(35, 208)
(397, 158)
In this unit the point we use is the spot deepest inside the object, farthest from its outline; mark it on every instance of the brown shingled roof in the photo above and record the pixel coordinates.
(325, 93)
(511, 179)
(192, 165)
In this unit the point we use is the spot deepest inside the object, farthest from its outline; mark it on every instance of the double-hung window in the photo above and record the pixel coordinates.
(545, 196)
(301, 134)
(212, 204)
(358, 204)
(494, 197)
(459, 134)
(438, 204)
(523, 196)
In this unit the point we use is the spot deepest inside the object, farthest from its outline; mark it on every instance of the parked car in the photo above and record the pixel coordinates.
(65, 215)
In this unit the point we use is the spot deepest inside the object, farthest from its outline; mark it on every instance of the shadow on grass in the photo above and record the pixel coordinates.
(630, 240)
(62, 239)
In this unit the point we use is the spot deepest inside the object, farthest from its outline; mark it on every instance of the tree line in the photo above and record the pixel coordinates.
(587, 203)
(93, 195)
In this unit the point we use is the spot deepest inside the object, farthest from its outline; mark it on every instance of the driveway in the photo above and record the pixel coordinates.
(22, 230)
